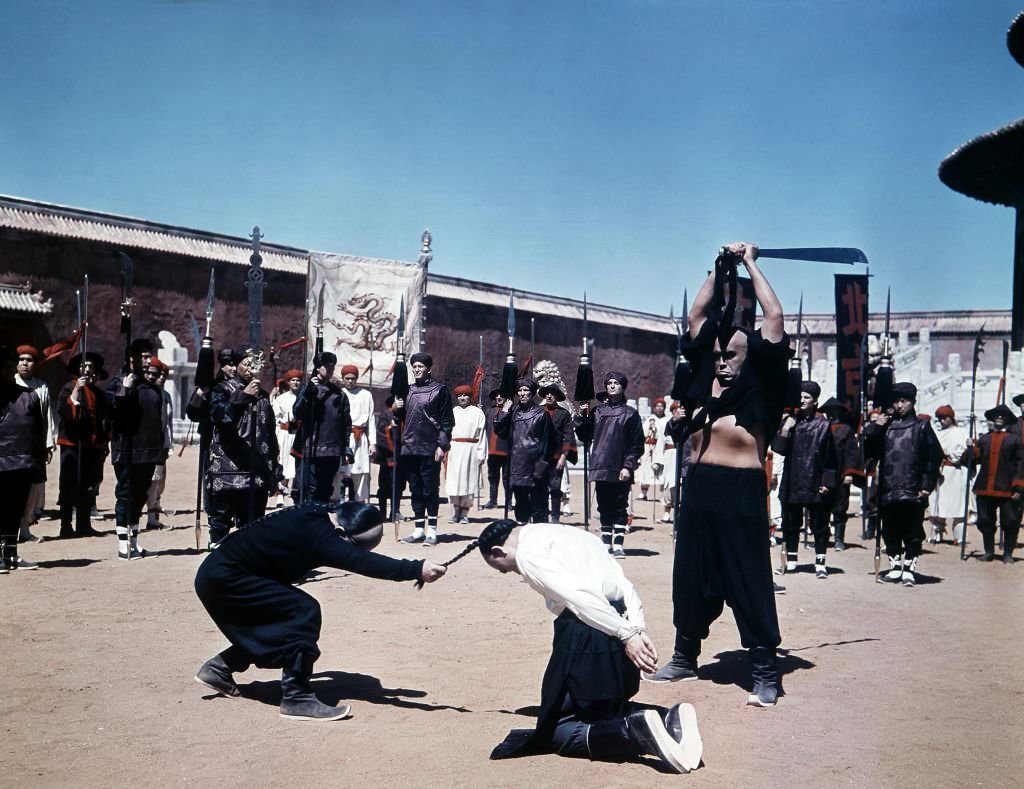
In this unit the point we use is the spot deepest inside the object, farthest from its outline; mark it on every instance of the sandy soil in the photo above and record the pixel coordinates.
(885, 686)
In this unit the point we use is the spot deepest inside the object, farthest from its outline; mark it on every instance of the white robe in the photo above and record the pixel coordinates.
(645, 473)
(360, 408)
(283, 405)
(947, 500)
(468, 451)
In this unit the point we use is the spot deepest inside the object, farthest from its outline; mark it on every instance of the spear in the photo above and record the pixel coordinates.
(509, 373)
(979, 349)
(399, 390)
(204, 381)
(795, 372)
(884, 374)
(308, 441)
(584, 394)
(681, 382)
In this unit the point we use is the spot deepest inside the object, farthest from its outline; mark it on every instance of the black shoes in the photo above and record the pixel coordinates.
(765, 694)
(215, 675)
(309, 708)
(678, 668)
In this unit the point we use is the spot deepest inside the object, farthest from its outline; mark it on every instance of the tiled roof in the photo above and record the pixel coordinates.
(58, 220)
(20, 298)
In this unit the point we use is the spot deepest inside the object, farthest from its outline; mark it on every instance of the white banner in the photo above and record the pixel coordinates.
(362, 297)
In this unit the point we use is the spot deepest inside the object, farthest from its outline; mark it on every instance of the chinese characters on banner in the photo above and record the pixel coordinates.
(851, 328)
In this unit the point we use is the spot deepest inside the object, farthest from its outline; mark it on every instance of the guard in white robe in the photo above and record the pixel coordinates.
(467, 454)
(283, 405)
(947, 500)
(356, 468)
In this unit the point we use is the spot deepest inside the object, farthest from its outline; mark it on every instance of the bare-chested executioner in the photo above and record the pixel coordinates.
(721, 551)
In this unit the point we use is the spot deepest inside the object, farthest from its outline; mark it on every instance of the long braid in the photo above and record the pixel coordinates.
(494, 534)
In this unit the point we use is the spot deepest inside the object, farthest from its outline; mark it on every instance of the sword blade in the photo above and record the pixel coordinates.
(844, 255)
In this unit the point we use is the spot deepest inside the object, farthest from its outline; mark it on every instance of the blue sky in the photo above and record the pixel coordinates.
(567, 145)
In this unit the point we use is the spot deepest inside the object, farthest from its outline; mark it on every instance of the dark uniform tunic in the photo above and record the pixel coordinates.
(999, 456)
(323, 436)
(22, 455)
(811, 463)
(848, 455)
(909, 457)
(83, 438)
(532, 441)
(137, 444)
(387, 433)
(246, 584)
(616, 434)
(427, 422)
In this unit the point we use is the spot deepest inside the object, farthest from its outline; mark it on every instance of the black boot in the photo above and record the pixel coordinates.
(764, 670)
(298, 701)
(1009, 543)
(840, 535)
(682, 665)
(215, 674)
(988, 542)
(66, 532)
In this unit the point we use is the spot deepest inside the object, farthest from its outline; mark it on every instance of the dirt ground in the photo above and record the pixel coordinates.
(885, 686)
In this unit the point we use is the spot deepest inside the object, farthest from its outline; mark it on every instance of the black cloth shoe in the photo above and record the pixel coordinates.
(680, 667)
(764, 671)
(215, 675)
(988, 556)
(298, 701)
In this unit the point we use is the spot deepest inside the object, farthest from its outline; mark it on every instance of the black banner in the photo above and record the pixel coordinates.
(851, 327)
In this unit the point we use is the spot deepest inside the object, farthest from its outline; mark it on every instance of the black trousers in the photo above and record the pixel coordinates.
(319, 474)
(989, 507)
(903, 528)
(227, 508)
(495, 473)
(722, 556)
(424, 476)
(385, 484)
(793, 521)
(531, 502)
(131, 491)
(841, 504)
(79, 485)
(612, 502)
(15, 485)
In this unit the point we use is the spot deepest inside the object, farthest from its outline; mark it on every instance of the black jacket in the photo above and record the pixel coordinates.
(908, 455)
(617, 433)
(22, 429)
(427, 419)
(810, 461)
(137, 422)
(532, 441)
(325, 425)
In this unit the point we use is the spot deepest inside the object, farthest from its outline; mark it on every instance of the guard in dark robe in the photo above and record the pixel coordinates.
(427, 417)
(325, 426)
(999, 486)
(909, 457)
(809, 476)
(244, 467)
(848, 455)
(22, 456)
(246, 586)
(600, 646)
(137, 444)
(564, 450)
(384, 457)
(497, 452)
(617, 435)
(84, 438)
(532, 441)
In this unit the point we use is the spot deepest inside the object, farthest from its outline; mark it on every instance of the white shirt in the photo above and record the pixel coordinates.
(573, 569)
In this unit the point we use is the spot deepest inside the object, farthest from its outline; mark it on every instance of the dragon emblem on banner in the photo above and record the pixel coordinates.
(365, 323)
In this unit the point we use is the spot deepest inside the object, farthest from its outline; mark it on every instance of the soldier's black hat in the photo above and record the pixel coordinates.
(75, 365)
(1018, 400)
(547, 389)
(833, 403)
(1004, 412)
